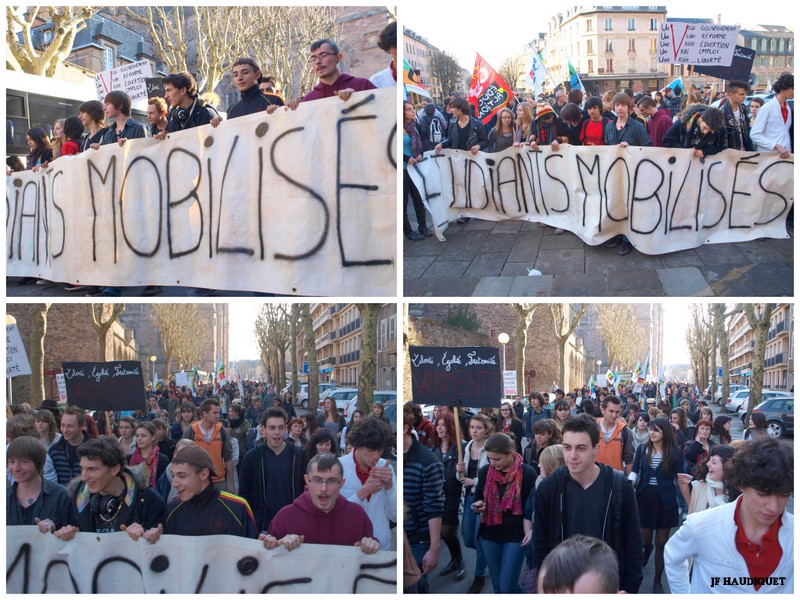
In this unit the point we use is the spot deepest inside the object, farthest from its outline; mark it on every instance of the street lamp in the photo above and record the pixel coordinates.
(153, 363)
(503, 339)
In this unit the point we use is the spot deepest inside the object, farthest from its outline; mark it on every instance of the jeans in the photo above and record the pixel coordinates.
(505, 563)
(470, 522)
(418, 550)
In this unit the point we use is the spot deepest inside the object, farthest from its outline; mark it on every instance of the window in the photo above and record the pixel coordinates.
(631, 45)
(609, 45)
(588, 24)
(772, 45)
(653, 24)
(382, 343)
(781, 45)
(609, 65)
(632, 24)
(608, 25)
(631, 65)
(108, 58)
(393, 327)
(653, 45)
(47, 36)
(591, 66)
(589, 48)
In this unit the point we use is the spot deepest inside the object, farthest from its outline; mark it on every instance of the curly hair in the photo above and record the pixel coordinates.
(371, 433)
(765, 464)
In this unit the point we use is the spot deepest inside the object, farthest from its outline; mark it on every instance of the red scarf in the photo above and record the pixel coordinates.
(362, 474)
(151, 462)
(394, 70)
(512, 497)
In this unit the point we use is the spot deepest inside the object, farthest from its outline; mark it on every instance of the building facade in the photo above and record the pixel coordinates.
(418, 52)
(779, 357)
(611, 47)
(774, 46)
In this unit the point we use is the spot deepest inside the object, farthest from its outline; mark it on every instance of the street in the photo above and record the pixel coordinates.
(488, 258)
(448, 585)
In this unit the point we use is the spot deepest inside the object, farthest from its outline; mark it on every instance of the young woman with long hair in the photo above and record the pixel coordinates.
(509, 423)
(560, 413)
(46, 428)
(708, 490)
(412, 153)
(58, 137)
(41, 151)
(331, 420)
(721, 432)
(656, 466)
(545, 434)
(321, 442)
(127, 439)
(147, 452)
(523, 122)
(447, 452)
(756, 426)
(503, 134)
(504, 486)
(187, 417)
(354, 419)
(480, 428)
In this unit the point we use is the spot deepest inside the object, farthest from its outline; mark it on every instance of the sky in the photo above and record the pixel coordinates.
(676, 320)
(501, 31)
(242, 341)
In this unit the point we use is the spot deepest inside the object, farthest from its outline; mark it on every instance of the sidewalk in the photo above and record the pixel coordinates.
(488, 258)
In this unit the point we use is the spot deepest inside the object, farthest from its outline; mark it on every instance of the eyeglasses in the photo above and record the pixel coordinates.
(319, 57)
(327, 482)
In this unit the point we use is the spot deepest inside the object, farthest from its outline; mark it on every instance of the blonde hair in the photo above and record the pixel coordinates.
(552, 458)
(55, 143)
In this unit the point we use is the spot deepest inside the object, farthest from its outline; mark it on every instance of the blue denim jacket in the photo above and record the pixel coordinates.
(667, 486)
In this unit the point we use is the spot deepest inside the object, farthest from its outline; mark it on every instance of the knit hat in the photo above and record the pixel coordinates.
(543, 110)
(194, 455)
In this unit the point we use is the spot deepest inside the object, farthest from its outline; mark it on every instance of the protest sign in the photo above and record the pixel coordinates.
(155, 87)
(740, 67)
(112, 563)
(456, 376)
(663, 199)
(181, 379)
(509, 383)
(696, 44)
(16, 358)
(62, 387)
(116, 385)
(130, 79)
(297, 202)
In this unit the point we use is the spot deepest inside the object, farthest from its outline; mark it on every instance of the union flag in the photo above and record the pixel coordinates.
(488, 93)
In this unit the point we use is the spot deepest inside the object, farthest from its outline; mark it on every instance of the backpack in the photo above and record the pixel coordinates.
(435, 131)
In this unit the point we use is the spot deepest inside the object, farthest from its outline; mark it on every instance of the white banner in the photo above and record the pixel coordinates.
(16, 358)
(62, 387)
(663, 199)
(112, 563)
(128, 78)
(697, 44)
(298, 202)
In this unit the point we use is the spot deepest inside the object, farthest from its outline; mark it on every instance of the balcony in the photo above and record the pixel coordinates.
(747, 347)
(778, 359)
(780, 328)
(350, 327)
(326, 314)
(350, 357)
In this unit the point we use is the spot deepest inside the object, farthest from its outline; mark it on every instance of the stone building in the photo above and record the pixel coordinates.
(774, 46)
(609, 46)
(418, 51)
(779, 357)
(70, 337)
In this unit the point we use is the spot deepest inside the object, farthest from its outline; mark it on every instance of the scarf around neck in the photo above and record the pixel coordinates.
(512, 497)
(713, 498)
(151, 462)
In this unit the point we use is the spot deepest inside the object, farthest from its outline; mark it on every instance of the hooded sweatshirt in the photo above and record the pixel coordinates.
(344, 525)
(345, 81)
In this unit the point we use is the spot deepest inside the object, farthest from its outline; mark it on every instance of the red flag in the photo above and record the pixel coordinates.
(488, 93)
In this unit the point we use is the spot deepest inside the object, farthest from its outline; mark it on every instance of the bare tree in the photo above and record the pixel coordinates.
(369, 351)
(446, 70)
(626, 340)
(524, 316)
(512, 69)
(28, 53)
(700, 343)
(293, 316)
(758, 316)
(721, 341)
(38, 314)
(185, 334)
(103, 317)
(280, 40)
(566, 318)
(311, 350)
(272, 333)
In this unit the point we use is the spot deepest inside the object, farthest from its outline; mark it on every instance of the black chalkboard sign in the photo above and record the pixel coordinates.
(117, 385)
(740, 67)
(155, 87)
(470, 376)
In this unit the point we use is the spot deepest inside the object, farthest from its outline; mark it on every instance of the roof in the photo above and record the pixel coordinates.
(131, 45)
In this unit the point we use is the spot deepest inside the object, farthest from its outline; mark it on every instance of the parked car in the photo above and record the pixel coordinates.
(734, 387)
(739, 403)
(383, 396)
(302, 395)
(780, 415)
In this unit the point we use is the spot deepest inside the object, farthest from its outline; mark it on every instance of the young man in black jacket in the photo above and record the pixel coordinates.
(588, 498)
(246, 75)
(110, 497)
(188, 110)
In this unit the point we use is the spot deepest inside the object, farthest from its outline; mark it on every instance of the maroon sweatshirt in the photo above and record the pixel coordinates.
(344, 525)
(344, 82)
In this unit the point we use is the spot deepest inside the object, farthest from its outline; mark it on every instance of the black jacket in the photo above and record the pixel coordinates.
(685, 133)
(253, 481)
(186, 118)
(131, 131)
(623, 534)
(477, 135)
(734, 133)
(211, 512)
(253, 101)
(52, 504)
(143, 504)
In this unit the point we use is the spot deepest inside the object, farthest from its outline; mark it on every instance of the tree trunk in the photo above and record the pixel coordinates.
(101, 326)
(311, 349)
(295, 316)
(760, 326)
(369, 350)
(721, 336)
(38, 333)
(525, 316)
